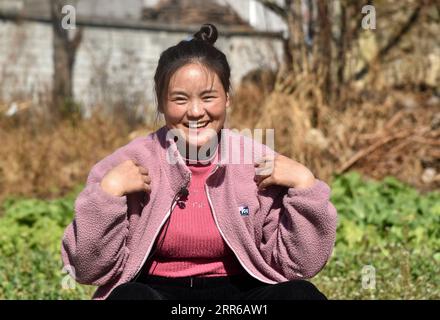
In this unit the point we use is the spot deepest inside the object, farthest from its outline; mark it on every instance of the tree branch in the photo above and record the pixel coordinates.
(275, 8)
(407, 26)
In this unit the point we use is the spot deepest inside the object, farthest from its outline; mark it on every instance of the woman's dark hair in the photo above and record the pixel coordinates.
(200, 49)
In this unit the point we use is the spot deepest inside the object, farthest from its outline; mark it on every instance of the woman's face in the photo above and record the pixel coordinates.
(196, 104)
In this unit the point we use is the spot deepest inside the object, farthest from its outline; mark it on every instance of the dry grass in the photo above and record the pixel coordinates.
(46, 161)
(377, 132)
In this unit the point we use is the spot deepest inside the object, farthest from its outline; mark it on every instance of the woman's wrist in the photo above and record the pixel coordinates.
(307, 183)
(111, 188)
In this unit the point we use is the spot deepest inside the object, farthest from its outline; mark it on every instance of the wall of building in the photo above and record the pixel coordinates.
(113, 65)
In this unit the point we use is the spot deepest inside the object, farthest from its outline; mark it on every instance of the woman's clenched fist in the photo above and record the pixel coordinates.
(125, 178)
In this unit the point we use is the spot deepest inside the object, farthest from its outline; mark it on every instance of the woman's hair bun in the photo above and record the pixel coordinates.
(208, 32)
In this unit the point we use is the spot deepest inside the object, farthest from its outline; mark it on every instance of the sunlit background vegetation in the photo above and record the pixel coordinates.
(360, 108)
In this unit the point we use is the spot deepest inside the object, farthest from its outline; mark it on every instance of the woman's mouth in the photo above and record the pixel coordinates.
(197, 125)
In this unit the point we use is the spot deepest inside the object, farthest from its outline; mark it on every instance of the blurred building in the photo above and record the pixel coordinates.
(121, 44)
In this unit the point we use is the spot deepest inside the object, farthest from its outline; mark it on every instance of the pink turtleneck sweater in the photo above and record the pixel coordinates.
(193, 246)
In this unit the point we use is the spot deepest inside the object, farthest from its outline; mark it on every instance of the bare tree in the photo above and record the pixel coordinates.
(321, 34)
(64, 52)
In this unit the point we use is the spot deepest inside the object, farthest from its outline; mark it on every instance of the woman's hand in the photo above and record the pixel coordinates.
(283, 171)
(125, 178)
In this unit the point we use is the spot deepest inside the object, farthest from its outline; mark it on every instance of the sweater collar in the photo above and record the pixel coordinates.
(176, 169)
(170, 146)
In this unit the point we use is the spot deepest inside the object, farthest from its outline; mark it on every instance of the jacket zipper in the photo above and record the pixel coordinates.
(173, 205)
(222, 234)
(216, 222)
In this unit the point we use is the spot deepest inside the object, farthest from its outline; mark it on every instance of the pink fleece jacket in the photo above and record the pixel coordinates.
(285, 234)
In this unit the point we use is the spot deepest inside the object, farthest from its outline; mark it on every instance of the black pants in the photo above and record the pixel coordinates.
(241, 287)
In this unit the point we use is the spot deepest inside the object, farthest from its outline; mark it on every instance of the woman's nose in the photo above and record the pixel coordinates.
(196, 109)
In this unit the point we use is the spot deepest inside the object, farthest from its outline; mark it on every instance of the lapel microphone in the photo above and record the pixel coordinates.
(183, 192)
(182, 196)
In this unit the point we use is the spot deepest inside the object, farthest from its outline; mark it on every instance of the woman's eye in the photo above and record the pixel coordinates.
(208, 98)
(180, 100)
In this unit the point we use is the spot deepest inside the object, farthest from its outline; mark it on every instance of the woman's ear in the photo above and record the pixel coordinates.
(228, 100)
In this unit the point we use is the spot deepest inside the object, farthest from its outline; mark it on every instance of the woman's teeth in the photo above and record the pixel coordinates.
(197, 126)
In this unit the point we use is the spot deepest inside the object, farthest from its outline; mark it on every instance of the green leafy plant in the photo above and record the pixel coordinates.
(30, 242)
(384, 225)
(391, 227)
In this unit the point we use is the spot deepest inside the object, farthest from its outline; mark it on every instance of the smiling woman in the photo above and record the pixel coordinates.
(192, 87)
(196, 102)
(200, 227)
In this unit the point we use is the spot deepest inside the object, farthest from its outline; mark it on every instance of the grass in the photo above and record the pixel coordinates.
(387, 225)
(388, 230)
